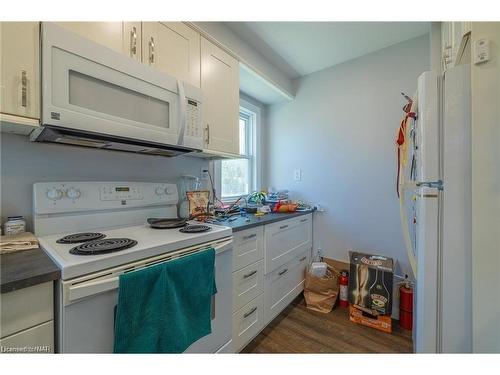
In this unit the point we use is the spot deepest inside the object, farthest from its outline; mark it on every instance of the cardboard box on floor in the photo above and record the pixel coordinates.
(370, 288)
(370, 281)
(381, 322)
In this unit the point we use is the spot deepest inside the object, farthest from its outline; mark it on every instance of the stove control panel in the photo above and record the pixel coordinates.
(60, 197)
(119, 193)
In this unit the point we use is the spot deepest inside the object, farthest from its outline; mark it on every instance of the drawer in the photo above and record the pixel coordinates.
(25, 308)
(248, 283)
(40, 337)
(283, 285)
(285, 240)
(247, 323)
(248, 247)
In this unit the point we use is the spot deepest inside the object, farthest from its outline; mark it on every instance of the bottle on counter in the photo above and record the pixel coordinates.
(14, 225)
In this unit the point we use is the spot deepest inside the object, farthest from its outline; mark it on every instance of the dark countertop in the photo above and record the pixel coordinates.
(26, 268)
(31, 267)
(241, 223)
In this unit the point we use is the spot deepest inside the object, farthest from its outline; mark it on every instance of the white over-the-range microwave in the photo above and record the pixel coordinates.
(95, 97)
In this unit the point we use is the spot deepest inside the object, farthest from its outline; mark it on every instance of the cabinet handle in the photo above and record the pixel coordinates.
(246, 315)
(207, 129)
(24, 89)
(303, 220)
(133, 42)
(284, 226)
(249, 236)
(249, 274)
(152, 51)
(302, 259)
(283, 272)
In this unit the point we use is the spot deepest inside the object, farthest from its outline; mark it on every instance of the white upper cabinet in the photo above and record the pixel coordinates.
(173, 48)
(123, 37)
(220, 86)
(452, 37)
(20, 69)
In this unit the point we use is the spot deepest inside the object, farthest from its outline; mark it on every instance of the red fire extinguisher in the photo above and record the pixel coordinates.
(406, 306)
(343, 282)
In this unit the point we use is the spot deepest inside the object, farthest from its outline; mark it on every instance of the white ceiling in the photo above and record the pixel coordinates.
(301, 48)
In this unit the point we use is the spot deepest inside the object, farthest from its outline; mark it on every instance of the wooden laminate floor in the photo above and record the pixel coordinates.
(300, 330)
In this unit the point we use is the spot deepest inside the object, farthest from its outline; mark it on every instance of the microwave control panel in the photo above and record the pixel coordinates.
(193, 119)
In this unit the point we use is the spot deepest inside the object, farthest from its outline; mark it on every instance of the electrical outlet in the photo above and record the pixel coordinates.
(204, 173)
(297, 175)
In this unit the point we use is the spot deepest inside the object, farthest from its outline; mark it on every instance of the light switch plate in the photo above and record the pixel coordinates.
(297, 175)
(481, 51)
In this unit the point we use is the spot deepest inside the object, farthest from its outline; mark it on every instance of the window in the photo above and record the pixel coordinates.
(237, 177)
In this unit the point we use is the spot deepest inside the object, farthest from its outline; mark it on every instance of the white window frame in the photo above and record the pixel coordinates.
(253, 145)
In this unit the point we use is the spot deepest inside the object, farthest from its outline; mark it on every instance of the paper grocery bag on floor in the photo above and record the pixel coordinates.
(321, 293)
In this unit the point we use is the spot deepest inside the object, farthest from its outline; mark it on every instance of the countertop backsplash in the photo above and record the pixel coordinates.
(24, 163)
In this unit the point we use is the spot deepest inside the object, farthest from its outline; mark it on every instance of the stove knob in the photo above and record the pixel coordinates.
(73, 193)
(159, 190)
(169, 190)
(54, 194)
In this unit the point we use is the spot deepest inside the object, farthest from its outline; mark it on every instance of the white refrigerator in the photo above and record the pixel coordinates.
(435, 200)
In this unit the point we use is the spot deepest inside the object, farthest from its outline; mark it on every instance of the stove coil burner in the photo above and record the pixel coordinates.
(166, 223)
(195, 228)
(81, 237)
(107, 245)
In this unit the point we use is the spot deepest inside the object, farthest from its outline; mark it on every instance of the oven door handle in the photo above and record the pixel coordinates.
(111, 281)
(90, 288)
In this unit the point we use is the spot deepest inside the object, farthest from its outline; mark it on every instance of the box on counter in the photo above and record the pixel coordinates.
(370, 282)
(380, 322)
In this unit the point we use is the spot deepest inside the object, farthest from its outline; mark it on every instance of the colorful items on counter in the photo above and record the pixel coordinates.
(285, 207)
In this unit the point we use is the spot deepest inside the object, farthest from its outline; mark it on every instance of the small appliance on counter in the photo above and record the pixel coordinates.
(187, 183)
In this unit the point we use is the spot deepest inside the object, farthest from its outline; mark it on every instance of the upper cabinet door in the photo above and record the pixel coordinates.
(220, 87)
(173, 48)
(123, 37)
(20, 69)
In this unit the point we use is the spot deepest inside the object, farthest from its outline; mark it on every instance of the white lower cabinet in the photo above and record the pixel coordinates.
(248, 322)
(269, 265)
(283, 285)
(27, 319)
(248, 283)
(38, 339)
(284, 240)
(248, 247)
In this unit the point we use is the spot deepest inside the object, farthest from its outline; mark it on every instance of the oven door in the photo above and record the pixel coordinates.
(89, 87)
(86, 306)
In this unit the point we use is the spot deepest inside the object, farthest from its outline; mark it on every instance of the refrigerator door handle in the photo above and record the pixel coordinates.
(431, 184)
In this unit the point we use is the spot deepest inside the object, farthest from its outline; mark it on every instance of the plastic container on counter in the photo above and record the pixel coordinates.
(14, 225)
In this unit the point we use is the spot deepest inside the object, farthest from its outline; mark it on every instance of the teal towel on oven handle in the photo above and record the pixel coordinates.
(167, 307)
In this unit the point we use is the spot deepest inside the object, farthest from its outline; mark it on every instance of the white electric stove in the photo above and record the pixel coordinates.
(95, 231)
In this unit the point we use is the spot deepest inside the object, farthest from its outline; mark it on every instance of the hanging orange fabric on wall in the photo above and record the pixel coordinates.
(401, 139)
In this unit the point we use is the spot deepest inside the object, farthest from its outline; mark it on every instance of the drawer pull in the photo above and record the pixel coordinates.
(246, 315)
(284, 226)
(303, 220)
(133, 42)
(283, 272)
(24, 89)
(249, 274)
(151, 51)
(249, 236)
(302, 259)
